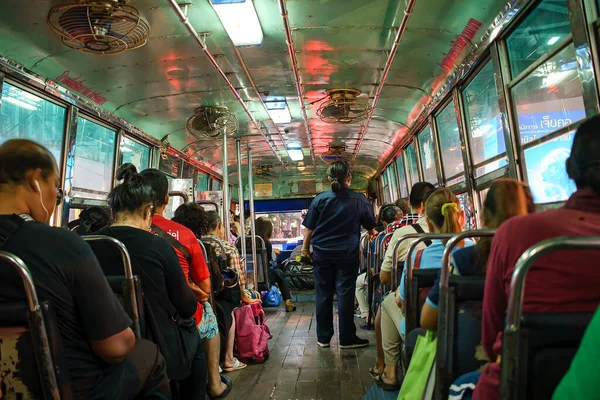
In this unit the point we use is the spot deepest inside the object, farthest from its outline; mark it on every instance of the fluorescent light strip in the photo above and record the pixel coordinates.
(282, 116)
(240, 21)
(553, 40)
(296, 154)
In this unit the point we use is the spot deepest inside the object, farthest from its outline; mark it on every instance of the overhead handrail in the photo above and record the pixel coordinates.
(38, 327)
(128, 271)
(516, 293)
(444, 358)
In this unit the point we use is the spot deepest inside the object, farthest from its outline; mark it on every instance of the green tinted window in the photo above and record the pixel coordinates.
(411, 162)
(483, 116)
(543, 28)
(27, 116)
(550, 97)
(216, 185)
(386, 188)
(401, 177)
(135, 153)
(450, 142)
(426, 148)
(94, 159)
(393, 184)
(202, 182)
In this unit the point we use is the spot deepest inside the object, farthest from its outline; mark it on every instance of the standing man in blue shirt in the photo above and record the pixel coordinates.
(333, 226)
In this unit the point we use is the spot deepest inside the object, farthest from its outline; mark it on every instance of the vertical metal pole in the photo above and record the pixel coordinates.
(117, 153)
(226, 204)
(238, 148)
(252, 227)
(68, 161)
(436, 149)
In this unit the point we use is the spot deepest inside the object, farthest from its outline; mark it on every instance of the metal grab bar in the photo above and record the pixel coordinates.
(45, 364)
(416, 242)
(128, 271)
(381, 251)
(444, 361)
(511, 340)
(183, 195)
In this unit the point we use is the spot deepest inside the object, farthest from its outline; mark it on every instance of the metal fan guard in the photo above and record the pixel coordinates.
(99, 27)
(360, 108)
(217, 119)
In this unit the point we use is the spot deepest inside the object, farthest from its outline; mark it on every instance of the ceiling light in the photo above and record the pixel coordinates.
(240, 20)
(278, 111)
(295, 153)
(20, 103)
(553, 40)
(301, 166)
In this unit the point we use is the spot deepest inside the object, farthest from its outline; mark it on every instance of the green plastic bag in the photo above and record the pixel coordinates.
(420, 367)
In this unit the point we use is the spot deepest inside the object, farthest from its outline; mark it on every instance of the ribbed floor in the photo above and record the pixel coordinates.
(299, 369)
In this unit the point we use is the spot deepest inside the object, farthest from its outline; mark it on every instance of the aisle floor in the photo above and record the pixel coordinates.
(298, 369)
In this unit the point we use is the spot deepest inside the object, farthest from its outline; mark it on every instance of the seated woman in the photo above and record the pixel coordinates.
(506, 198)
(264, 229)
(90, 220)
(444, 215)
(388, 216)
(209, 225)
(169, 302)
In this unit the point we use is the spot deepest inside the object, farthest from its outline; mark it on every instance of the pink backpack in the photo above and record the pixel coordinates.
(251, 334)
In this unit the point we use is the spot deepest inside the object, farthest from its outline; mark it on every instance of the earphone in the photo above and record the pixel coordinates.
(37, 184)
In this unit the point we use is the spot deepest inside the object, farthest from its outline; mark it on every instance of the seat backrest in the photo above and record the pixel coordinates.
(21, 366)
(416, 291)
(548, 343)
(119, 285)
(260, 268)
(113, 253)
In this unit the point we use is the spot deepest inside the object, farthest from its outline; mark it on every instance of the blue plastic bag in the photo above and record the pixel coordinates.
(272, 298)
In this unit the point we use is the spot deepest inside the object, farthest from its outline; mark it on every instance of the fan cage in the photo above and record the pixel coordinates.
(211, 122)
(99, 27)
(335, 154)
(354, 109)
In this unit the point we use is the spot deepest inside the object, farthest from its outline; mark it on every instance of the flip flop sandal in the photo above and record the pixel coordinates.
(228, 386)
(388, 387)
(373, 373)
(237, 365)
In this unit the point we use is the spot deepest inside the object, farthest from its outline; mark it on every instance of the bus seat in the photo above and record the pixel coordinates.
(117, 272)
(418, 289)
(261, 272)
(20, 365)
(548, 343)
(118, 284)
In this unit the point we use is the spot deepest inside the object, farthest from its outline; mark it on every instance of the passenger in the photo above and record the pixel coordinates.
(506, 198)
(581, 380)
(573, 288)
(104, 360)
(333, 225)
(389, 215)
(93, 219)
(194, 267)
(403, 205)
(169, 302)
(444, 215)
(226, 303)
(264, 229)
(418, 196)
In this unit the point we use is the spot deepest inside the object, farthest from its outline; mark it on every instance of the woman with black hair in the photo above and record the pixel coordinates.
(333, 226)
(169, 302)
(92, 219)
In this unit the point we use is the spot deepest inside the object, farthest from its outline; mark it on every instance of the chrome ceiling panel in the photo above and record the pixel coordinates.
(338, 44)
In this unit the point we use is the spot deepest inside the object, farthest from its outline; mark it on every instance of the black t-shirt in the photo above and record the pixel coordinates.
(66, 272)
(166, 291)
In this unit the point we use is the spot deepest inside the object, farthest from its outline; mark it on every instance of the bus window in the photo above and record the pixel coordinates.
(466, 206)
(550, 97)
(392, 183)
(27, 116)
(401, 177)
(546, 171)
(411, 162)
(427, 150)
(483, 119)
(537, 34)
(386, 187)
(287, 229)
(202, 182)
(135, 153)
(216, 185)
(452, 160)
(94, 159)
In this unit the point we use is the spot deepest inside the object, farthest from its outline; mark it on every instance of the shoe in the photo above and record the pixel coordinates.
(289, 306)
(358, 342)
(357, 314)
(323, 345)
(364, 325)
